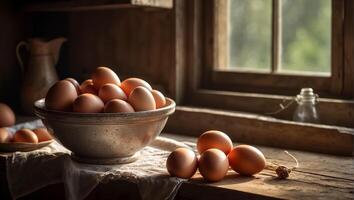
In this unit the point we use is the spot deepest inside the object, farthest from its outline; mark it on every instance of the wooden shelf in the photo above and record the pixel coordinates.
(86, 5)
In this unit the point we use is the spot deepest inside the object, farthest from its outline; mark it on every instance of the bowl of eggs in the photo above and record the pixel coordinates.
(104, 120)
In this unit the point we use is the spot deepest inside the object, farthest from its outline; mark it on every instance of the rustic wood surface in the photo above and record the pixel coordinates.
(319, 176)
(348, 87)
(84, 5)
(331, 111)
(251, 128)
(337, 43)
(133, 43)
(13, 30)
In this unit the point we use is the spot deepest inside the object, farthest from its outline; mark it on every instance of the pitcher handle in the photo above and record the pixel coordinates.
(19, 45)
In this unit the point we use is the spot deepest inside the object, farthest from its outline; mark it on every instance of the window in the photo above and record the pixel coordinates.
(275, 46)
(277, 62)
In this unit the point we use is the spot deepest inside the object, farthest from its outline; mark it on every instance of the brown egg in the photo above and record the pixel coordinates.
(104, 75)
(75, 83)
(214, 139)
(7, 116)
(159, 98)
(25, 135)
(118, 106)
(4, 135)
(182, 163)
(88, 103)
(86, 82)
(61, 96)
(111, 91)
(128, 85)
(87, 87)
(42, 134)
(213, 165)
(246, 160)
(141, 99)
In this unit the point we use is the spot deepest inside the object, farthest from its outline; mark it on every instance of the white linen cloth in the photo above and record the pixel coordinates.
(30, 171)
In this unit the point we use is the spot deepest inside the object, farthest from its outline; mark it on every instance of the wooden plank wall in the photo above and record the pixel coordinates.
(133, 42)
(12, 30)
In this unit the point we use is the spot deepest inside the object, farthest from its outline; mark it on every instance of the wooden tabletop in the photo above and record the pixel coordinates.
(319, 176)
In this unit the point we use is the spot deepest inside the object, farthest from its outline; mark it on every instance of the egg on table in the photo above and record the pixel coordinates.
(104, 75)
(88, 103)
(213, 164)
(214, 139)
(26, 136)
(111, 91)
(128, 85)
(5, 136)
(246, 160)
(182, 163)
(61, 96)
(118, 106)
(7, 116)
(141, 99)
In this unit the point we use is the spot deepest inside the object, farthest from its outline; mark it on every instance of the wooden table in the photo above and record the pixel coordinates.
(318, 177)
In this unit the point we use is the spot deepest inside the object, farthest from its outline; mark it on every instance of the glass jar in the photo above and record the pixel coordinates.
(306, 108)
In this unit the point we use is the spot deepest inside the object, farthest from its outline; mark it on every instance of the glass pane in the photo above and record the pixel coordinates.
(306, 35)
(250, 34)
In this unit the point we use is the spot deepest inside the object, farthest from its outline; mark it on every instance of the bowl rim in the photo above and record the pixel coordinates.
(43, 113)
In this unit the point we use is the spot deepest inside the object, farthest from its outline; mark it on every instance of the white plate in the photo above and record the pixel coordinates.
(12, 147)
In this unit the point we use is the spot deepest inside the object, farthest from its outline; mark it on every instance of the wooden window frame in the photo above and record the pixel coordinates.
(338, 85)
(197, 87)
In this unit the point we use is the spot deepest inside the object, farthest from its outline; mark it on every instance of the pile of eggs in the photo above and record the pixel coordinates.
(104, 92)
(7, 118)
(25, 136)
(217, 154)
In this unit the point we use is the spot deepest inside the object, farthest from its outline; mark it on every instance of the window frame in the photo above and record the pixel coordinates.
(217, 78)
(196, 89)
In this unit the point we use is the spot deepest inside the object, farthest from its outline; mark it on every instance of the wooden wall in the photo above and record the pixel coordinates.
(134, 42)
(12, 30)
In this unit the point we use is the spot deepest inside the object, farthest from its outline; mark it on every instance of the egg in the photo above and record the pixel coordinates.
(87, 87)
(213, 164)
(61, 96)
(246, 160)
(214, 139)
(25, 135)
(88, 103)
(118, 106)
(4, 135)
(159, 98)
(141, 99)
(182, 163)
(42, 134)
(111, 91)
(104, 75)
(75, 83)
(7, 116)
(128, 85)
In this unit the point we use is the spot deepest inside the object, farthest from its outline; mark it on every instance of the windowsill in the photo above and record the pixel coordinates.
(334, 112)
(262, 130)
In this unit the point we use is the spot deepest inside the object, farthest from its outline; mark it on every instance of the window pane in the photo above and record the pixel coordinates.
(250, 34)
(306, 35)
